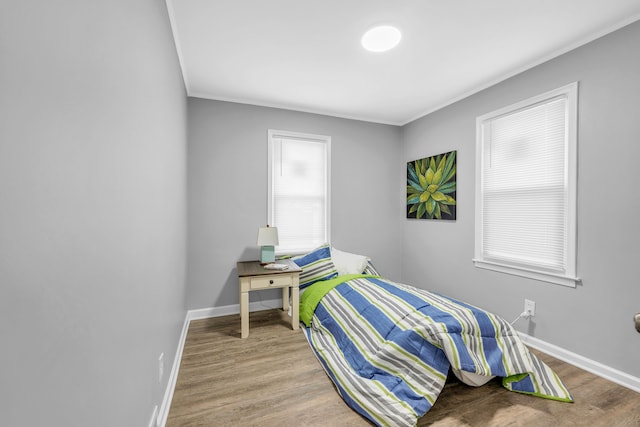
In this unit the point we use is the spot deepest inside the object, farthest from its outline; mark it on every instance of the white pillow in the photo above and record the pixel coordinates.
(348, 263)
(471, 378)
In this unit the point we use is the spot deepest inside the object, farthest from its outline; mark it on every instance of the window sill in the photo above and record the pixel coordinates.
(557, 279)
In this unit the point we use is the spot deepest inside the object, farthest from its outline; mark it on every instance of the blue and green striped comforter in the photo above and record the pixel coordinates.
(388, 347)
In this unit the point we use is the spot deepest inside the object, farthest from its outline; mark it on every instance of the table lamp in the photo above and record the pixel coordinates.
(267, 239)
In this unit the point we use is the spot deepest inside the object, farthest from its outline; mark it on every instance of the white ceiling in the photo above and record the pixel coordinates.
(305, 55)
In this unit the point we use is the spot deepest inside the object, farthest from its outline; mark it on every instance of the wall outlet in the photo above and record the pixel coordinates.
(530, 307)
(160, 367)
(154, 417)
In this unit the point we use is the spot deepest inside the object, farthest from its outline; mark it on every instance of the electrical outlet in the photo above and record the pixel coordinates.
(160, 367)
(530, 307)
(154, 417)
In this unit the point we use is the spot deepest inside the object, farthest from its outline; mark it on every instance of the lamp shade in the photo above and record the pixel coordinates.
(267, 236)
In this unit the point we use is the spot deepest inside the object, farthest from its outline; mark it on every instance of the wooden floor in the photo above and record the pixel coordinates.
(272, 378)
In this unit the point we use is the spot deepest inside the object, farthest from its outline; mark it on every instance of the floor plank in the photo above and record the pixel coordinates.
(272, 378)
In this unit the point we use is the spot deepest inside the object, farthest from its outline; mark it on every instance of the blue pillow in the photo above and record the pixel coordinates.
(370, 269)
(316, 266)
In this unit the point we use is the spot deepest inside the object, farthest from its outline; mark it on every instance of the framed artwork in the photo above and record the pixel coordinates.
(431, 187)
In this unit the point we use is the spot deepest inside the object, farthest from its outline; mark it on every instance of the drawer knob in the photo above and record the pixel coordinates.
(271, 282)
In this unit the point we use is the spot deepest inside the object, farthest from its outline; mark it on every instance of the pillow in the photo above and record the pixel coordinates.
(348, 263)
(471, 378)
(370, 269)
(316, 265)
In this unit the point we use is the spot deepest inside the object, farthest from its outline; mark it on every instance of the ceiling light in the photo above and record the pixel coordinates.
(381, 39)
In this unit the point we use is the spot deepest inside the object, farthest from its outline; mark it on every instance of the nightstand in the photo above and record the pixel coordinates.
(253, 276)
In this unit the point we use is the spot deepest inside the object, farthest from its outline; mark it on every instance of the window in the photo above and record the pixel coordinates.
(526, 173)
(298, 199)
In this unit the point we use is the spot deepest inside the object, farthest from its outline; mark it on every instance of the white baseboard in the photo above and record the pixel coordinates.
(589, 365)
(202, 313)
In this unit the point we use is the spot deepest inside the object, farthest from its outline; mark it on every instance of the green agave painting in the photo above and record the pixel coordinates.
(431, 187)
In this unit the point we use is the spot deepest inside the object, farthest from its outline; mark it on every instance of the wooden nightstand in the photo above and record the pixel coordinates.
(253, 276)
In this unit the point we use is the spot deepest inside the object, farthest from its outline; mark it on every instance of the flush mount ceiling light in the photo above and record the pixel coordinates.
(381, 39)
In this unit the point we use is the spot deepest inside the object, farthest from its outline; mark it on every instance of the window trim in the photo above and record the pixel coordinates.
(274, 134)
(569, 277)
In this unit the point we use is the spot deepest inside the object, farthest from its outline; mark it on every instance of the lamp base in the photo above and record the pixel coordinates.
(267, 254)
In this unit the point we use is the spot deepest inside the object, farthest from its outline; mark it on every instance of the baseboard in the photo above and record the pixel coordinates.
(589, 365)
(203, 313)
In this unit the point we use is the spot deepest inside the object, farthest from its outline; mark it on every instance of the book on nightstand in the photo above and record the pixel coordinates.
(276, 266)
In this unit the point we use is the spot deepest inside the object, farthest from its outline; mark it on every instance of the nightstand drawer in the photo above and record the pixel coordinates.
(275, 281)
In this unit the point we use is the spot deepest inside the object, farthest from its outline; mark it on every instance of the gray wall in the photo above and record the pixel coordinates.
(227, 191)
(92, 210)
(594, 319)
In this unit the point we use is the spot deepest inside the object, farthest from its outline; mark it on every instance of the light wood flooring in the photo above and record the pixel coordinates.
(272, 378)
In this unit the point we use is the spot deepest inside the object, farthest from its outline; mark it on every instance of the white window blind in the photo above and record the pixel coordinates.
(298, 202)
(526, 222)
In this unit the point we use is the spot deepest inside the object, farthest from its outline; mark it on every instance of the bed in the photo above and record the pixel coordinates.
(388, 347)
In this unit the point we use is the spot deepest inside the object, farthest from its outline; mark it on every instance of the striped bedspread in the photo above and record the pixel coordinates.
(388, 347)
